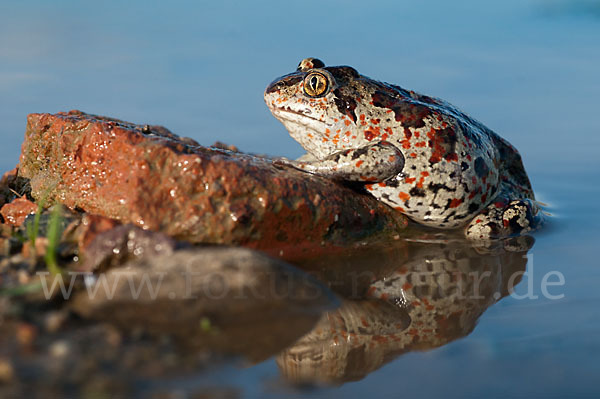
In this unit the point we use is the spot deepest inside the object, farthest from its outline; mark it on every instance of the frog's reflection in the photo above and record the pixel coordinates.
(415, 296)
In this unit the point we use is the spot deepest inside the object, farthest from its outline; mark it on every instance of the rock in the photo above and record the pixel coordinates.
(230, 300)
(149, 177)
(15, 212)
(7, 373)
(91, 227)
(124, 243)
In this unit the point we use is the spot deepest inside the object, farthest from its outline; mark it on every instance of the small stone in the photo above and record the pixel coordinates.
(54, 320)
(14, 213)
(41, 245)
(7, 372)
(26, 334)
(59, 349)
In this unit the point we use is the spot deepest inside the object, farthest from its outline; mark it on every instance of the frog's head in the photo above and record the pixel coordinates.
(320, 106)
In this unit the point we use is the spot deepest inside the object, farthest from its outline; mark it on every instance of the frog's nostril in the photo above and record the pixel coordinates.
(283, 82)
(273, 87)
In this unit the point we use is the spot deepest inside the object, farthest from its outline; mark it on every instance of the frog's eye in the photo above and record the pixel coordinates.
(315, 84)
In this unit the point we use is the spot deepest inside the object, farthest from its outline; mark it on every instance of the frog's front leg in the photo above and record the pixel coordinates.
(374, 162)
(504, 218)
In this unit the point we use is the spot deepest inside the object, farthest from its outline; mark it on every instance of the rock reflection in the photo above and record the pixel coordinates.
(405, 297)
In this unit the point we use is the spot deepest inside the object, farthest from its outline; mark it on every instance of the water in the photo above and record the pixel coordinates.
(527, 69)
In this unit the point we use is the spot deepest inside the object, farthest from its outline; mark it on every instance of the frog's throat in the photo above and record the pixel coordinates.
(307, 131)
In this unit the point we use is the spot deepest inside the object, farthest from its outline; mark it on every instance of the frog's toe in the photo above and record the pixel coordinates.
(501, 219)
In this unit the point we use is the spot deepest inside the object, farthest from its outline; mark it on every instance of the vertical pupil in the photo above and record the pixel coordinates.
(314, 82)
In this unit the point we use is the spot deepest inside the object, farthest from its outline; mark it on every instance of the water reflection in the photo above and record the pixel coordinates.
(413, 296)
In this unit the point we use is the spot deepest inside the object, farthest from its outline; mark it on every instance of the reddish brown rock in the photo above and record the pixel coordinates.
(14, 213)
(147, 176)
(91, 227)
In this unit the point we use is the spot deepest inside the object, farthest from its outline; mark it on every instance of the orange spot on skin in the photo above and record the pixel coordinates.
(325, 140)
(392, 158)
(456, 202)
(420, 144)
(347, 122)
(399, 208)
(405, 144)
(362, 117)
(375, 121)
(410, 180)
(335, 119)
(381, 184)
(359, 163)
(371, 133)
(417, 134)
(369, 187)
(425, 173)
(403, 196)
(406, 286)
(412, 155)
(338, 131)
(420, 182)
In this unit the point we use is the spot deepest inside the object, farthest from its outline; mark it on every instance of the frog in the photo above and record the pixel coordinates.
(418, 154)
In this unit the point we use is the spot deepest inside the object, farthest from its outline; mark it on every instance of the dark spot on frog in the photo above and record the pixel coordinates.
(360, 152)
(407, 112)
(435, 187)
(417, 192)
(443, 143)
(345, 104)
(481, 167)
(343, 73)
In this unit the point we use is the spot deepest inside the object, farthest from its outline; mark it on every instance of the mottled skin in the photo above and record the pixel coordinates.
(418, 154)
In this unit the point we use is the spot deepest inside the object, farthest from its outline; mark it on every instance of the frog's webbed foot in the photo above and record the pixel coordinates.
(375, 162)
(504, 219)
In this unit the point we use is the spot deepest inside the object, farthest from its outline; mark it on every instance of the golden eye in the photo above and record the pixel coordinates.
(315, 84)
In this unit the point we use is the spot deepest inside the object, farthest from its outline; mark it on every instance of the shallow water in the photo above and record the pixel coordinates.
(527, 69)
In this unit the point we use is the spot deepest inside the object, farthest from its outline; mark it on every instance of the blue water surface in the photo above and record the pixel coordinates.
(529, 69)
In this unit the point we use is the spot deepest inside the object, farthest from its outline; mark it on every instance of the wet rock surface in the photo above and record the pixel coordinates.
(15, 212)
(147, 176)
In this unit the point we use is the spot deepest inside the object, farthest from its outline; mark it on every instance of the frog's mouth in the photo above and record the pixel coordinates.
(287, 113)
